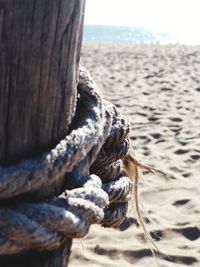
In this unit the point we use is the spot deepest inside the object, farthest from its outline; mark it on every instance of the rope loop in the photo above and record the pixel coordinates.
(78, 183)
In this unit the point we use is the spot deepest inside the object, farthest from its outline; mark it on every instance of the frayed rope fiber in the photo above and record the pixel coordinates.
(80, 182)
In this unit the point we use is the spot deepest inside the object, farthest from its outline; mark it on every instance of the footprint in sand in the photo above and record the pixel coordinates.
(132, 256)
(157, 235)
(153, 119)
(191, 233)
(180, 259)
(181, 202)
(187, 174)
(156, 135)
(181, 151)
(175, 119)
(195, 156)
(183, 143)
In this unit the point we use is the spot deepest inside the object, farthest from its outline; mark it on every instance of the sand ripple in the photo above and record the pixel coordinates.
(158, 88)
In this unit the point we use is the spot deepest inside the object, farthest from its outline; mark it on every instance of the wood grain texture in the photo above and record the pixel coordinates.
(40, 42)
(39, 53)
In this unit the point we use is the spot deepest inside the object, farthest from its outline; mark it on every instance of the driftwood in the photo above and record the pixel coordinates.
(40, 45)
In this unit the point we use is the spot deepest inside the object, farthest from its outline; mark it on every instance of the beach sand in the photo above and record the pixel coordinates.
(158, 88)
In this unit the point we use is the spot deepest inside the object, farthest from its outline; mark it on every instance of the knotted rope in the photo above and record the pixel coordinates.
(80, 182)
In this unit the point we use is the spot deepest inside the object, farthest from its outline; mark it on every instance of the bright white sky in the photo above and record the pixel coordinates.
(174, 16)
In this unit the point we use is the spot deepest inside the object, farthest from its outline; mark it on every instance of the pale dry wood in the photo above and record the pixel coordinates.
(40, 44)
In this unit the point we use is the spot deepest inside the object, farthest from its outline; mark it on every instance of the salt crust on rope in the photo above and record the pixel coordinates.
(88, 161)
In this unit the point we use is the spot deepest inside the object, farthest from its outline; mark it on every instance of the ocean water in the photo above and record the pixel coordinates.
(136, 35)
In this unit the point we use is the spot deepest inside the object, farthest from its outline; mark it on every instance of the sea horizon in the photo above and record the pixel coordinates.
(134, 35)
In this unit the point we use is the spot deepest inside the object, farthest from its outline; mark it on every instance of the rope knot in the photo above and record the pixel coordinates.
(78, 183)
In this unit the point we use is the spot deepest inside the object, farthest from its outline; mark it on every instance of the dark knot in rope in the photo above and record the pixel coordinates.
(78, 183)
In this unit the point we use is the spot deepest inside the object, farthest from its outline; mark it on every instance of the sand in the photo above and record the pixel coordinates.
(158, 88)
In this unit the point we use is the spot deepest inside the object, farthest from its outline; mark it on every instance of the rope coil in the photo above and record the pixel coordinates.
(78, 183)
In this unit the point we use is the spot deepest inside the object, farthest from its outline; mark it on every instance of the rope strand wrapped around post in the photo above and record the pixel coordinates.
(82, 180)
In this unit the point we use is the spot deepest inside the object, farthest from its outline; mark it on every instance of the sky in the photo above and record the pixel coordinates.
(173, 16)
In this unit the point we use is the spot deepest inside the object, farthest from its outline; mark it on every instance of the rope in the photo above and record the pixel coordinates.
(78, 183)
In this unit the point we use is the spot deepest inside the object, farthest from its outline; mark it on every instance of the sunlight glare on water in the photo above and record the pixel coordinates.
(150, 21)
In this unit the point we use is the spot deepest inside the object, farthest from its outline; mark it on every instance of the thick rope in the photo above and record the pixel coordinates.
(93, 149)
(61, 159)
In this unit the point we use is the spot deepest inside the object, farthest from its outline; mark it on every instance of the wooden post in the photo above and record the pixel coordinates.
(40, 43)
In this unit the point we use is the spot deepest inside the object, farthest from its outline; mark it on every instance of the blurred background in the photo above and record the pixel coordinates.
(144, 56)
(143, 21)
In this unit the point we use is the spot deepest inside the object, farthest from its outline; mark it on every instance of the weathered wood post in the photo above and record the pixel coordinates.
(40, 43)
